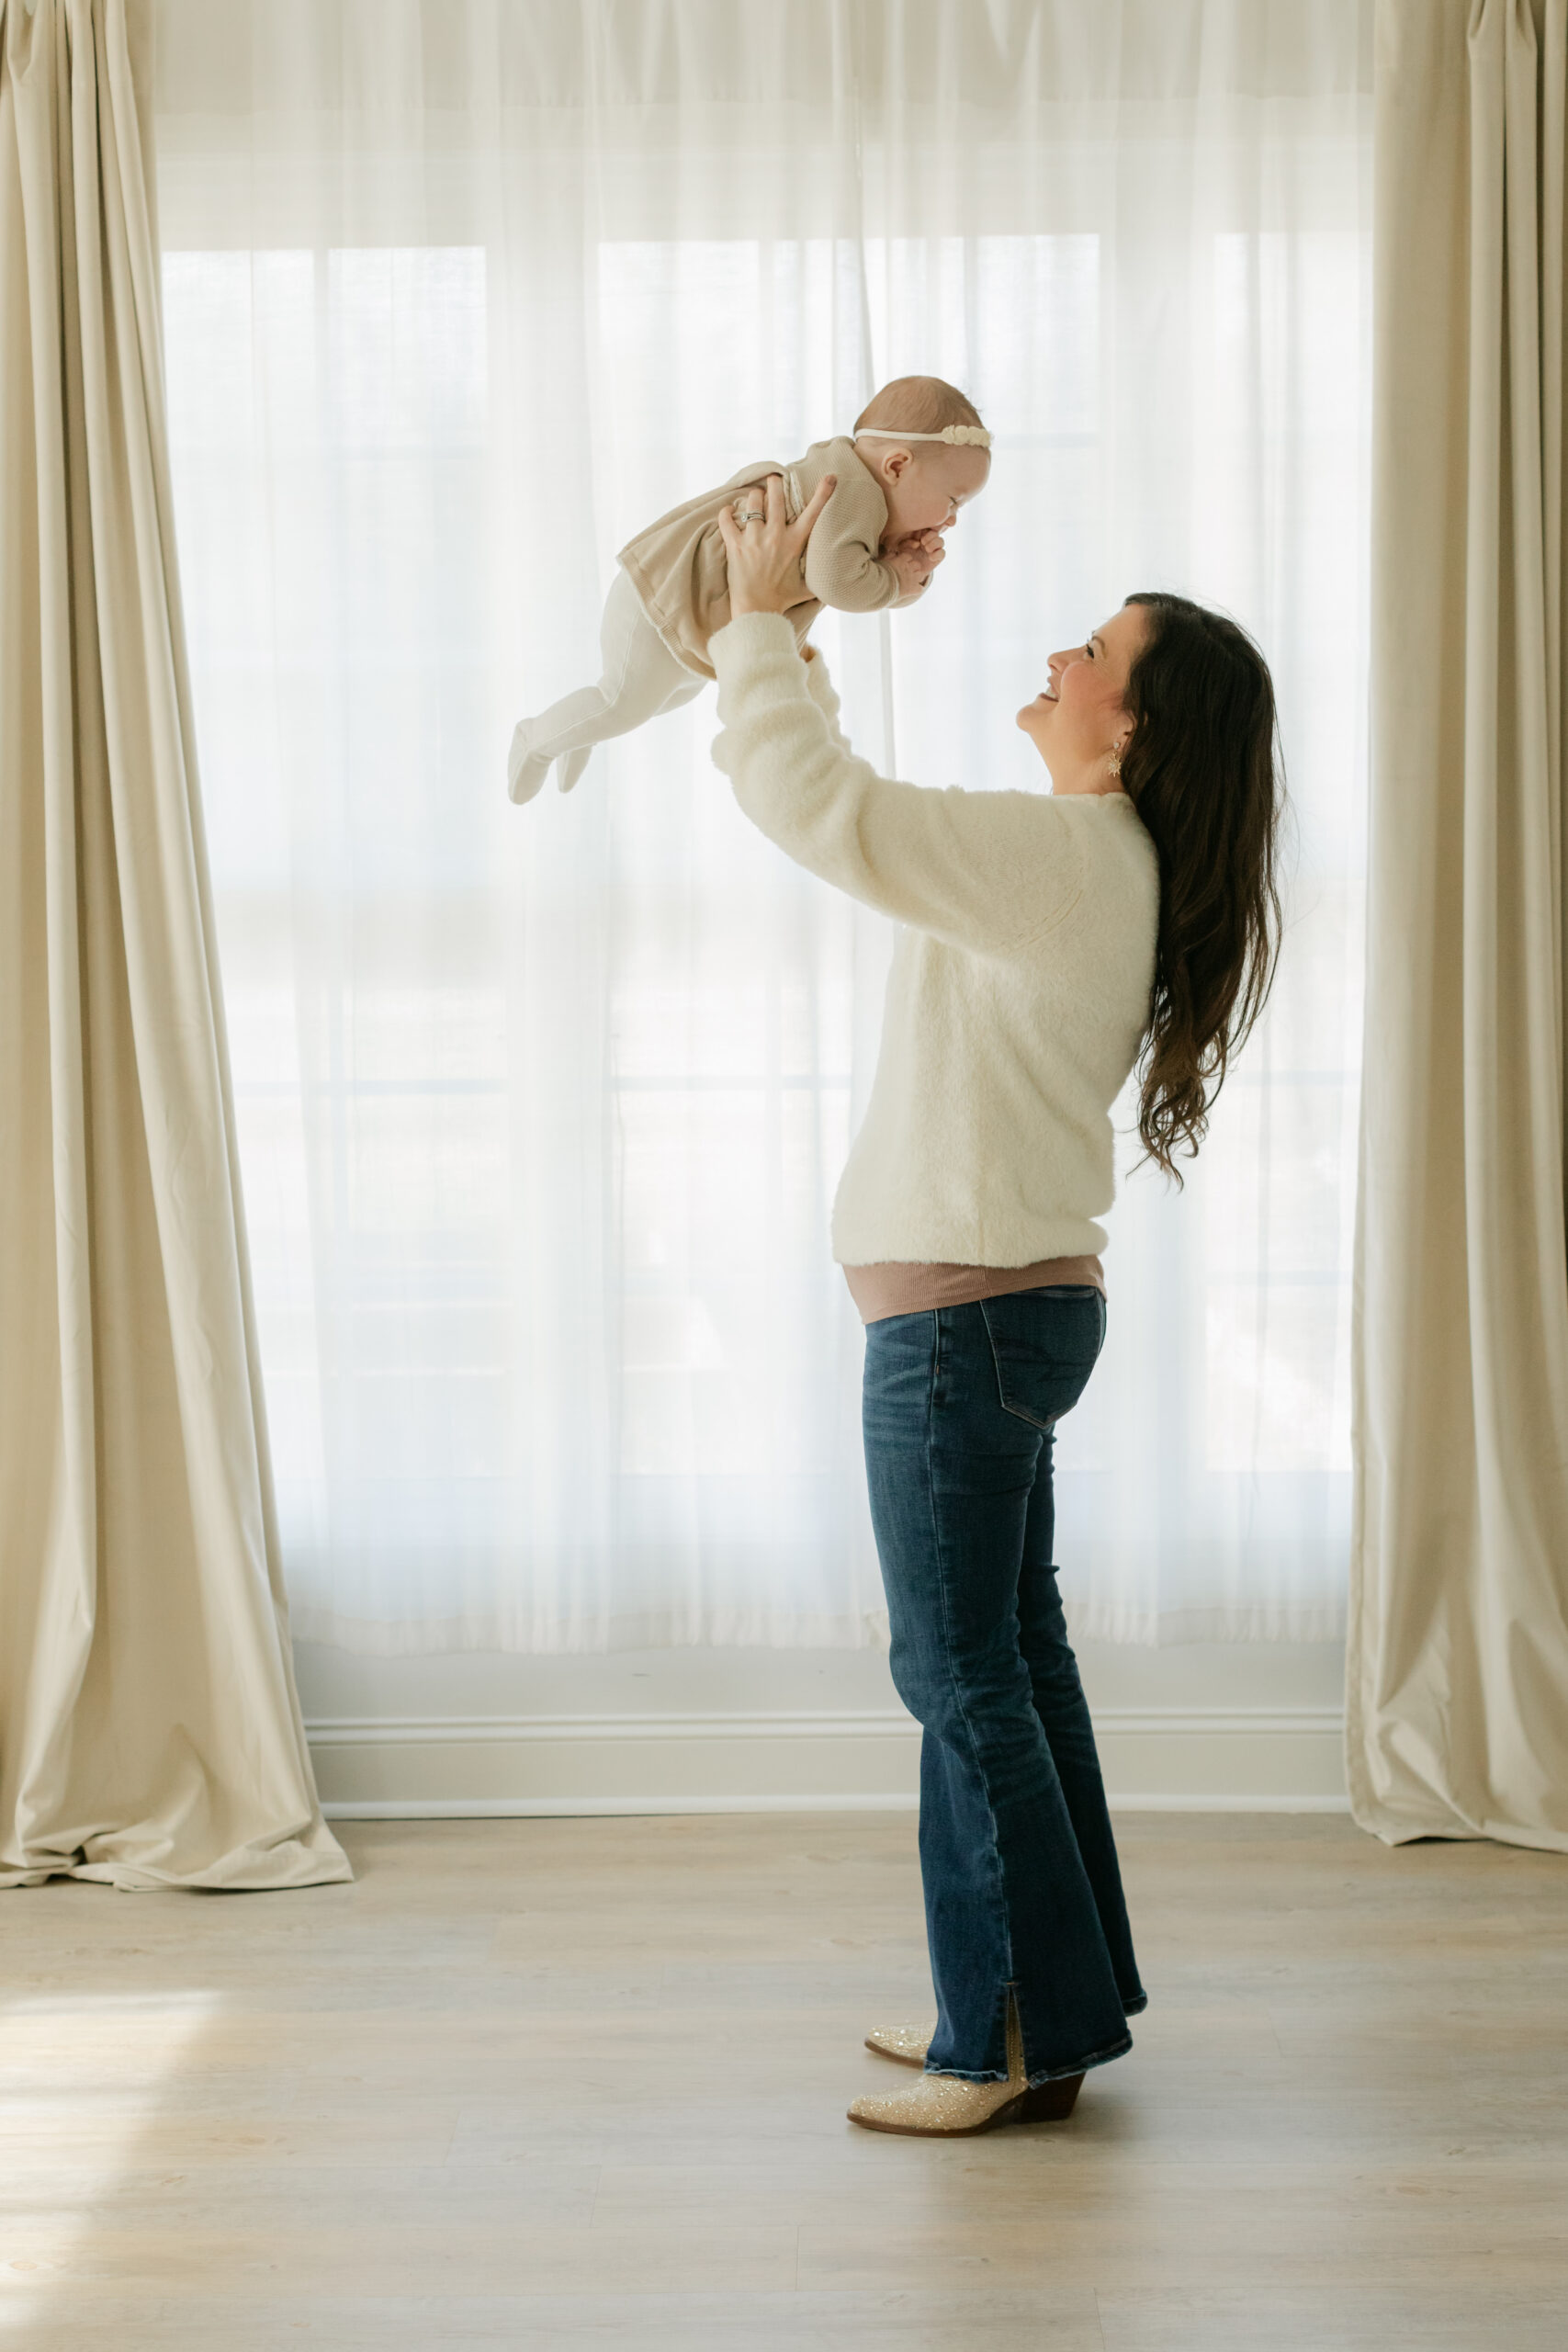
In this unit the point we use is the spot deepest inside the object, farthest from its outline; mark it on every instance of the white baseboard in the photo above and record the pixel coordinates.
(1155, 1759)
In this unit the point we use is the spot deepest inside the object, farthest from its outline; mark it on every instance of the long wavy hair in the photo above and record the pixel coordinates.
(1201, 766)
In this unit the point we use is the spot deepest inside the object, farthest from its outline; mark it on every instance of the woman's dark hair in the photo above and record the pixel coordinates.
(1201, 768)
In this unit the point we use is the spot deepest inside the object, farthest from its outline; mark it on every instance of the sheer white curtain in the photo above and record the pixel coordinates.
(541, 1110)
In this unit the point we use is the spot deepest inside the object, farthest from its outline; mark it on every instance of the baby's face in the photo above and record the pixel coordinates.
(925, 484)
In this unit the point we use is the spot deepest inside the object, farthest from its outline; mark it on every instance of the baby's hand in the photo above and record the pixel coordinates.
(914, 558)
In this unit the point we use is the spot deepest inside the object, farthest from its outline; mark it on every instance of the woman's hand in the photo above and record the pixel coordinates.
(767, 554)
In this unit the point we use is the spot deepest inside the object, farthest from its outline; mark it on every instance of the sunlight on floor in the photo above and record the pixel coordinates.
(80, 2077)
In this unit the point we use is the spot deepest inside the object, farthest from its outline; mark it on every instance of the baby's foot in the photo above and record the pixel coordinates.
(571, 765)
(525, 770)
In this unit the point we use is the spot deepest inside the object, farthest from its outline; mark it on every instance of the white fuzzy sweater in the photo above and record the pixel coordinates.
(1020, 986)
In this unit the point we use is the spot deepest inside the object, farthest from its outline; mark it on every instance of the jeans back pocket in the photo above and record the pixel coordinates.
(1045, 1344)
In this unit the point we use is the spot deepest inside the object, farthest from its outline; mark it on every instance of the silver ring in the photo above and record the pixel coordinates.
(753, 515)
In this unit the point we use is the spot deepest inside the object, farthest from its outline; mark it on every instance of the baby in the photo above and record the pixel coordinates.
(917, 455)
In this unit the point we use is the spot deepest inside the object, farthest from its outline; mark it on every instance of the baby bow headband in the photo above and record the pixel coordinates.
(958, 436)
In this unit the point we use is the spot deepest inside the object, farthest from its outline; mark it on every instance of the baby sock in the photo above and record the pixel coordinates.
(525, 770)
(571, 765)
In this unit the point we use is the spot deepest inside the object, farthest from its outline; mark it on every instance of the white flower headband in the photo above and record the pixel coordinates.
(957, 436)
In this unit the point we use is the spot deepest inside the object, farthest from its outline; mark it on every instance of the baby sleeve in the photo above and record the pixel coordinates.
(842, 567)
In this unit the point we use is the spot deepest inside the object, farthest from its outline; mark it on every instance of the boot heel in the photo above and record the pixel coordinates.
(1050, 2102)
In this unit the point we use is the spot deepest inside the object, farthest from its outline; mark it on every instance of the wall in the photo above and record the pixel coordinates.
(666, 1731)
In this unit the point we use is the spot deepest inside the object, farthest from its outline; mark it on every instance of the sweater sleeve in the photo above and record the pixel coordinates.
(820, 686)
(980, 870)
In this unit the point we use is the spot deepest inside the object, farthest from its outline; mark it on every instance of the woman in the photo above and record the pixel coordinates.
(1051, 942)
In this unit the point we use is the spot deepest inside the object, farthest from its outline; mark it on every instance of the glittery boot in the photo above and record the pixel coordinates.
(945, 2106)
(907, 2043)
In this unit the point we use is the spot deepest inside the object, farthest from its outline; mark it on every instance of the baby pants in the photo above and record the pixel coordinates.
(641, 677)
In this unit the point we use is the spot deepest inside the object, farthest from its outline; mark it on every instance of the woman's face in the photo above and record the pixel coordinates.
(1081, 720)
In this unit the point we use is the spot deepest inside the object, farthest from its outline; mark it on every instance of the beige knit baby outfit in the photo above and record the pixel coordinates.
(671, 593)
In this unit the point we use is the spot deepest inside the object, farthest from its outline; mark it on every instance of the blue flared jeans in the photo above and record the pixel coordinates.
(1023, 1896)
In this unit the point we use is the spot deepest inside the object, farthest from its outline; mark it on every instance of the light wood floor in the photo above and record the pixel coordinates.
(555, 2084)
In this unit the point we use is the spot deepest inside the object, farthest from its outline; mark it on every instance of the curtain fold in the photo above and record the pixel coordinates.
(1457, 1658)
(150, 1734)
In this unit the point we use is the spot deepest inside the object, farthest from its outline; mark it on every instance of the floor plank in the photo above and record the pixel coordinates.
(576, 2083)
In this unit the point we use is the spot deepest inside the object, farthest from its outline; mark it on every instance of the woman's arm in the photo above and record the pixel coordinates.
(820, 686)
(982, 870)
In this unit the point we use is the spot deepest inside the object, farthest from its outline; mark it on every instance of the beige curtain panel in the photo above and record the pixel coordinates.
(150, 1733)
(1457, 1668)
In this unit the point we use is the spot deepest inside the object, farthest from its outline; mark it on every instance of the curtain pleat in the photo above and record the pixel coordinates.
(1458, 1664)
(150, 1733)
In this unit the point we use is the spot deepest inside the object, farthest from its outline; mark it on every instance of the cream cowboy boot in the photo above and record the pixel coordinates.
(945, 2106)
(907, 2043)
